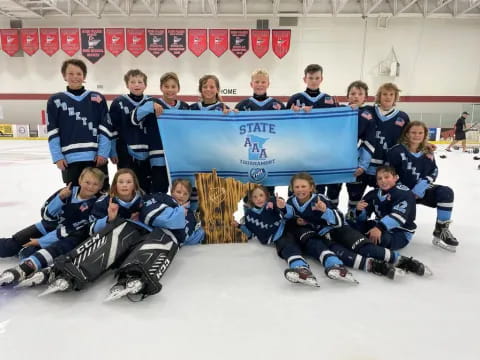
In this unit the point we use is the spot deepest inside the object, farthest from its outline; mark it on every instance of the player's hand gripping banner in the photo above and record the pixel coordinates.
(266, 147)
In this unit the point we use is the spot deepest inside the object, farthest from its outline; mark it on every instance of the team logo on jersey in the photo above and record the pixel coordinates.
(96, 98)
(400, 122)
(366, 115)
(329, 100)
(83, 207)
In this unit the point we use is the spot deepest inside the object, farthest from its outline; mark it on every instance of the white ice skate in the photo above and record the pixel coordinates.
(59, 285)
(301, 275)
(340, 273)
(38, 278)
(6, 278)
(118, 291)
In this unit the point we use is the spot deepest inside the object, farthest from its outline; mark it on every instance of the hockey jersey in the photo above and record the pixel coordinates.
(322, 222)
(319, 101)
(389, 127)
(417, 171)
(62, 218)
(393, 209)
(253, 104)
(79, 127)
(126, 134)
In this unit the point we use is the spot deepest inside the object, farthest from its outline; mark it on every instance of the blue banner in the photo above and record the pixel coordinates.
(266, 147)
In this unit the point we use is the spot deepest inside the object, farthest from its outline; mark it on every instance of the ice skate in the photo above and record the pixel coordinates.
(12, 276)
(382, 268)
(42, 277)
(409, 264)
(443, 238)
(59, 285)
(301, 275)
(118, 291)
(339, 272)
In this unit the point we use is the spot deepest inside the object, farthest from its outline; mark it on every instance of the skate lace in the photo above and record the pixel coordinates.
(446, 234)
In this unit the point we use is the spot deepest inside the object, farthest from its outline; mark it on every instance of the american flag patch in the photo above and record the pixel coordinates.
(96, 98)
(400, 122)
(83, 207)
(366, 115)
(329, 100)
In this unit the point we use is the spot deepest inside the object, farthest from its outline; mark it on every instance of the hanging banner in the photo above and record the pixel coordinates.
(281, 42)
(29, 40)
(218, 41)
(156, 41)
(197, 41)
(70, 40)
(239, 42)
(115, 40)
(49, 41)
(262, 146)
(93, 44)
(260, 42)
(176, 41)
(136, 41)
(10, 41)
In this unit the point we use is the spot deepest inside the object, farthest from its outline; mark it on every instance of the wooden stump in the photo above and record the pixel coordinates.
(218, 200)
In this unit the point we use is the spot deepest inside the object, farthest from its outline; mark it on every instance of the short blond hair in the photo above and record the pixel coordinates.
(260, 72)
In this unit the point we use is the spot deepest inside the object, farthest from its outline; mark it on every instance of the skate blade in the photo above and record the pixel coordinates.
(58, 285)
(117, 295)
(50, 290)
(294, 278)
(428, 271)
(443, 246)
(6, 278)
(37, 278)
(337, 275)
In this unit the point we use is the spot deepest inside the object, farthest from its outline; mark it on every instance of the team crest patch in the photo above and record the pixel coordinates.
(258, 174)
(400, 122)
(83, 207)
(329, 101)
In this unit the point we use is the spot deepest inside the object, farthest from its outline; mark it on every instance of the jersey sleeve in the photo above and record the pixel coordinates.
(53, 130)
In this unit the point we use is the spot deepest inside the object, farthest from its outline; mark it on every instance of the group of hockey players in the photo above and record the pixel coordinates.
(136, 228)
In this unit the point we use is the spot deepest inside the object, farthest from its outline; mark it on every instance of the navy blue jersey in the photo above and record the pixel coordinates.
(161, 210)
(322, 222)
(99, 216)
(145, 114)
(366, 129)
(218, 106)
(302, 99)
(393, 209)
(267, 223)
(133, 136)
(79, 127)
(417, 171)
(389, 127)
(252, 104)
(65, 216)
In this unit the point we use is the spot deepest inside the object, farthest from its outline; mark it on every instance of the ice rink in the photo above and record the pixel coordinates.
(232, 302)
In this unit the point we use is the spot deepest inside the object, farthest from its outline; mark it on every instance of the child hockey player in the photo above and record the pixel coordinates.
(417, 170)
(79, 131)
(64, 224)
(314, 217)
(393, 228)
(357, 94)
(209, 88)
(146, 116)
(130, 144)
(260, 82)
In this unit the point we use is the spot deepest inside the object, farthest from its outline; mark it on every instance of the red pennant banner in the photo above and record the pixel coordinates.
(281, 42)
(197, 41)
(136, 41)
(49, 41)
(10, 41)
(70, 41)
(239, 42)
(93, 44)
(260, 42)
(156, 41)
(218, 41)
(115, 40)
(29, 39)
(176, 41)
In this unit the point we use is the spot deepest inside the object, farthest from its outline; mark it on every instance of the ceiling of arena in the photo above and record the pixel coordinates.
(44, 9)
